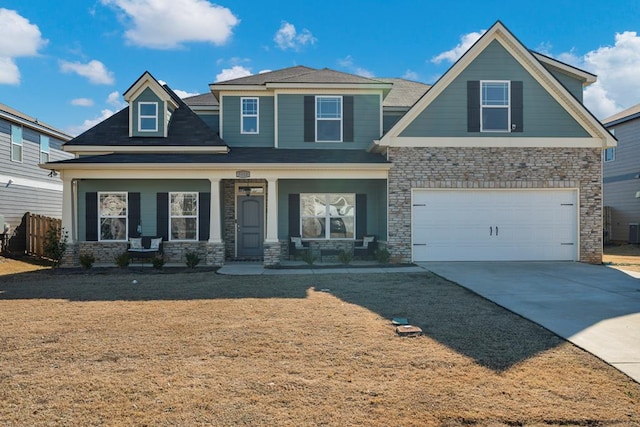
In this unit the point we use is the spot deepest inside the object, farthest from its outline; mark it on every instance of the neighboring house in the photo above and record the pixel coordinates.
(25, 142)
(621, 176)
(498, 160)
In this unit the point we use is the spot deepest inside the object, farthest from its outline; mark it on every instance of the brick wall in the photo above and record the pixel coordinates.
(426, 167)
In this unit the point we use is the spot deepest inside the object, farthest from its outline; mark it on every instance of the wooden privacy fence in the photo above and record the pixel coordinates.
(36, 230)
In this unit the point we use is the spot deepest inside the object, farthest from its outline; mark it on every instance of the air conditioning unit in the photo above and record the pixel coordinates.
(634, 237)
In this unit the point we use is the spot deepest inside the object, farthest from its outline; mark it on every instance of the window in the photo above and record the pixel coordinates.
(148, 116)
(44, 149)
(494, 101)
(318, 210)
(183, 214)
(16, 143)
(328, 118)
(112, 211)
(609, 154)
(249, 115)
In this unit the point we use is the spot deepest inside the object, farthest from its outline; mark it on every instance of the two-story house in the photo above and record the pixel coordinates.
(498, 160)
(26, 142)
(621, 177)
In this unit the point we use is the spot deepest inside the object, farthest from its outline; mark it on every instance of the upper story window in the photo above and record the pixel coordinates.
(249, 115)
(183, 216)
(16, 143)
(112, 211)
(148, 116)
(609, 154)
(328, 118)
(44, 149)
(495, 106)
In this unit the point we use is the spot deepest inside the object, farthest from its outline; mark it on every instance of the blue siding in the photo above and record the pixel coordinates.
(366, 118)
(376, 191)
(231, 123)
(572, 84)
(446, 116)
(147, 189)
(148, 96)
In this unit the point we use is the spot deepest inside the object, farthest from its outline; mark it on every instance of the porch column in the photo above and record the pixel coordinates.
(215, 230)
(272, 210)
(67, 208)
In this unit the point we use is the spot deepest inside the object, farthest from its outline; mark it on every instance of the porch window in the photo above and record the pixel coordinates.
(112, 211)
(183, 216)
(327, 216)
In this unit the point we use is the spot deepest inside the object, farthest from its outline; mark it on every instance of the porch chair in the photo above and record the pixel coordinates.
(297, 247)
(367, 249)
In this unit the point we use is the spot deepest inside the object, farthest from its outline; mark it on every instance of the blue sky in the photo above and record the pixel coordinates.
(68, 62)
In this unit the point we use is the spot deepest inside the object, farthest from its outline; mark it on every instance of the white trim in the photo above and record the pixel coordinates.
(507, 107)
(26, 182)
(584, 75)
(327, 216)
(148, 81)
(604, 154)
(488, 141)
(238, 194)
(197, 216)
(126, 217)
(243, 115)
(41, 128)
(141, 116)
(48, 150)
(17, 143)
(276, 133)
(341, 119)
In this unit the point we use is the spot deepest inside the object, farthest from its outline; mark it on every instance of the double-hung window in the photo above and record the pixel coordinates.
(16, 143)
(495, 112)
(609, 154)
(112, 211)
(148, 116)
(327, 216)
(183, 216)
(329, 118)
(44, 149)
(249, 119)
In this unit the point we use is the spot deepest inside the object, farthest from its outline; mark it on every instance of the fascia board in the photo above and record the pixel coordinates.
(584, 75)
(36, 126)
(356, 86)
(105, 149)
(506, 142)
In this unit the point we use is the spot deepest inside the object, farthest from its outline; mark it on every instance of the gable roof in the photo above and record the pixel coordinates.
(498, 32)
(404, 93)
(13, 115)
(623, 116)
(147, 80)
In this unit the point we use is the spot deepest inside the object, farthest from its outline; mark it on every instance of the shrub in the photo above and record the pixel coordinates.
(157, 262)
(383, 256)
(192, 259)
(345, 257)
(123, 260)
(55, 244)
(308, 257)
(87, 260)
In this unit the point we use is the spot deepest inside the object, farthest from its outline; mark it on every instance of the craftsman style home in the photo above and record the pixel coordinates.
(498, 160)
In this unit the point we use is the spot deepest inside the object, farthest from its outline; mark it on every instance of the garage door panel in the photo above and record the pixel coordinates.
(479, 225)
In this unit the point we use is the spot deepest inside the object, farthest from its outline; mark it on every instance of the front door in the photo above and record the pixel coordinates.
(250, 212)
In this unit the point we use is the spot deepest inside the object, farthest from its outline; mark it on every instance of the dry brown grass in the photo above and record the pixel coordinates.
(624, 257)
(204, 349)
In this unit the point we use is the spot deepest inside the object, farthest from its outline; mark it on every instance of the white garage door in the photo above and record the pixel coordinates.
(494, 225)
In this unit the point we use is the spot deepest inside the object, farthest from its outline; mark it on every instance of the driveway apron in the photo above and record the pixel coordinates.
(595, 307)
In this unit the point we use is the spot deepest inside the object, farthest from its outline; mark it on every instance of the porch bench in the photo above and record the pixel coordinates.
(142, 248)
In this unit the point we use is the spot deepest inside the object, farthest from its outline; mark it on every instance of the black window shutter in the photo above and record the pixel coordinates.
(361, 215)
(294, 215)
(134, 214)
(517, 115)
(204, 215)
(473, 106)
(162, 216)
(347, 106)
(91, 216)
(309, 119)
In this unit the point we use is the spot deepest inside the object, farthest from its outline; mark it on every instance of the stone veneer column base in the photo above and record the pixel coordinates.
(71, 256)
(215, 254)
(272, 254)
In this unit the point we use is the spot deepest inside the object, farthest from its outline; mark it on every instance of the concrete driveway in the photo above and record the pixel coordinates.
(595, 307)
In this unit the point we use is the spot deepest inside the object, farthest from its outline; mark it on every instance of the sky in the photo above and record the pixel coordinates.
(68, 62)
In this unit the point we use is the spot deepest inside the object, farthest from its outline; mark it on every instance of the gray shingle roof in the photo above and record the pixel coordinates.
(404, 93)
(300, 74)
(271, 76)
(202, 100)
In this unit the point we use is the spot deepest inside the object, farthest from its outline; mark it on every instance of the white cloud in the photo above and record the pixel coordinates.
(287, 37)
(184, 94)
(82, 102)
(94, 70)
(348, 63)
(167, 24)
(115, 100)
(234, 72)
(89, 123)
(18, 38)
(466, 41)
(411, 75)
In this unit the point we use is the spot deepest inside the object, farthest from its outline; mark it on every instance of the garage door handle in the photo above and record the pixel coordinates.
(490, 231)
(496, 230)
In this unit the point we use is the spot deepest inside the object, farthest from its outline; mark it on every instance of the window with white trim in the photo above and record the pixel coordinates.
(44, 149)
(329, 118)
(183, 216)
(609, 154)
(148, 116)
(16, 143)
(495, 111)
(249, 115)
(112, 212)
(328, 216)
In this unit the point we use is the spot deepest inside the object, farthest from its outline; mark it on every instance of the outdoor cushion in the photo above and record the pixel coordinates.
(155, 243)
(135, 243)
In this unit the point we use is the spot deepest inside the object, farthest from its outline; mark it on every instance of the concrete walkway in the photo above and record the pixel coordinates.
(595, 307)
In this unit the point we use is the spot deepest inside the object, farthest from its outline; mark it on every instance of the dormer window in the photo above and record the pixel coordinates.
(148, 116)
